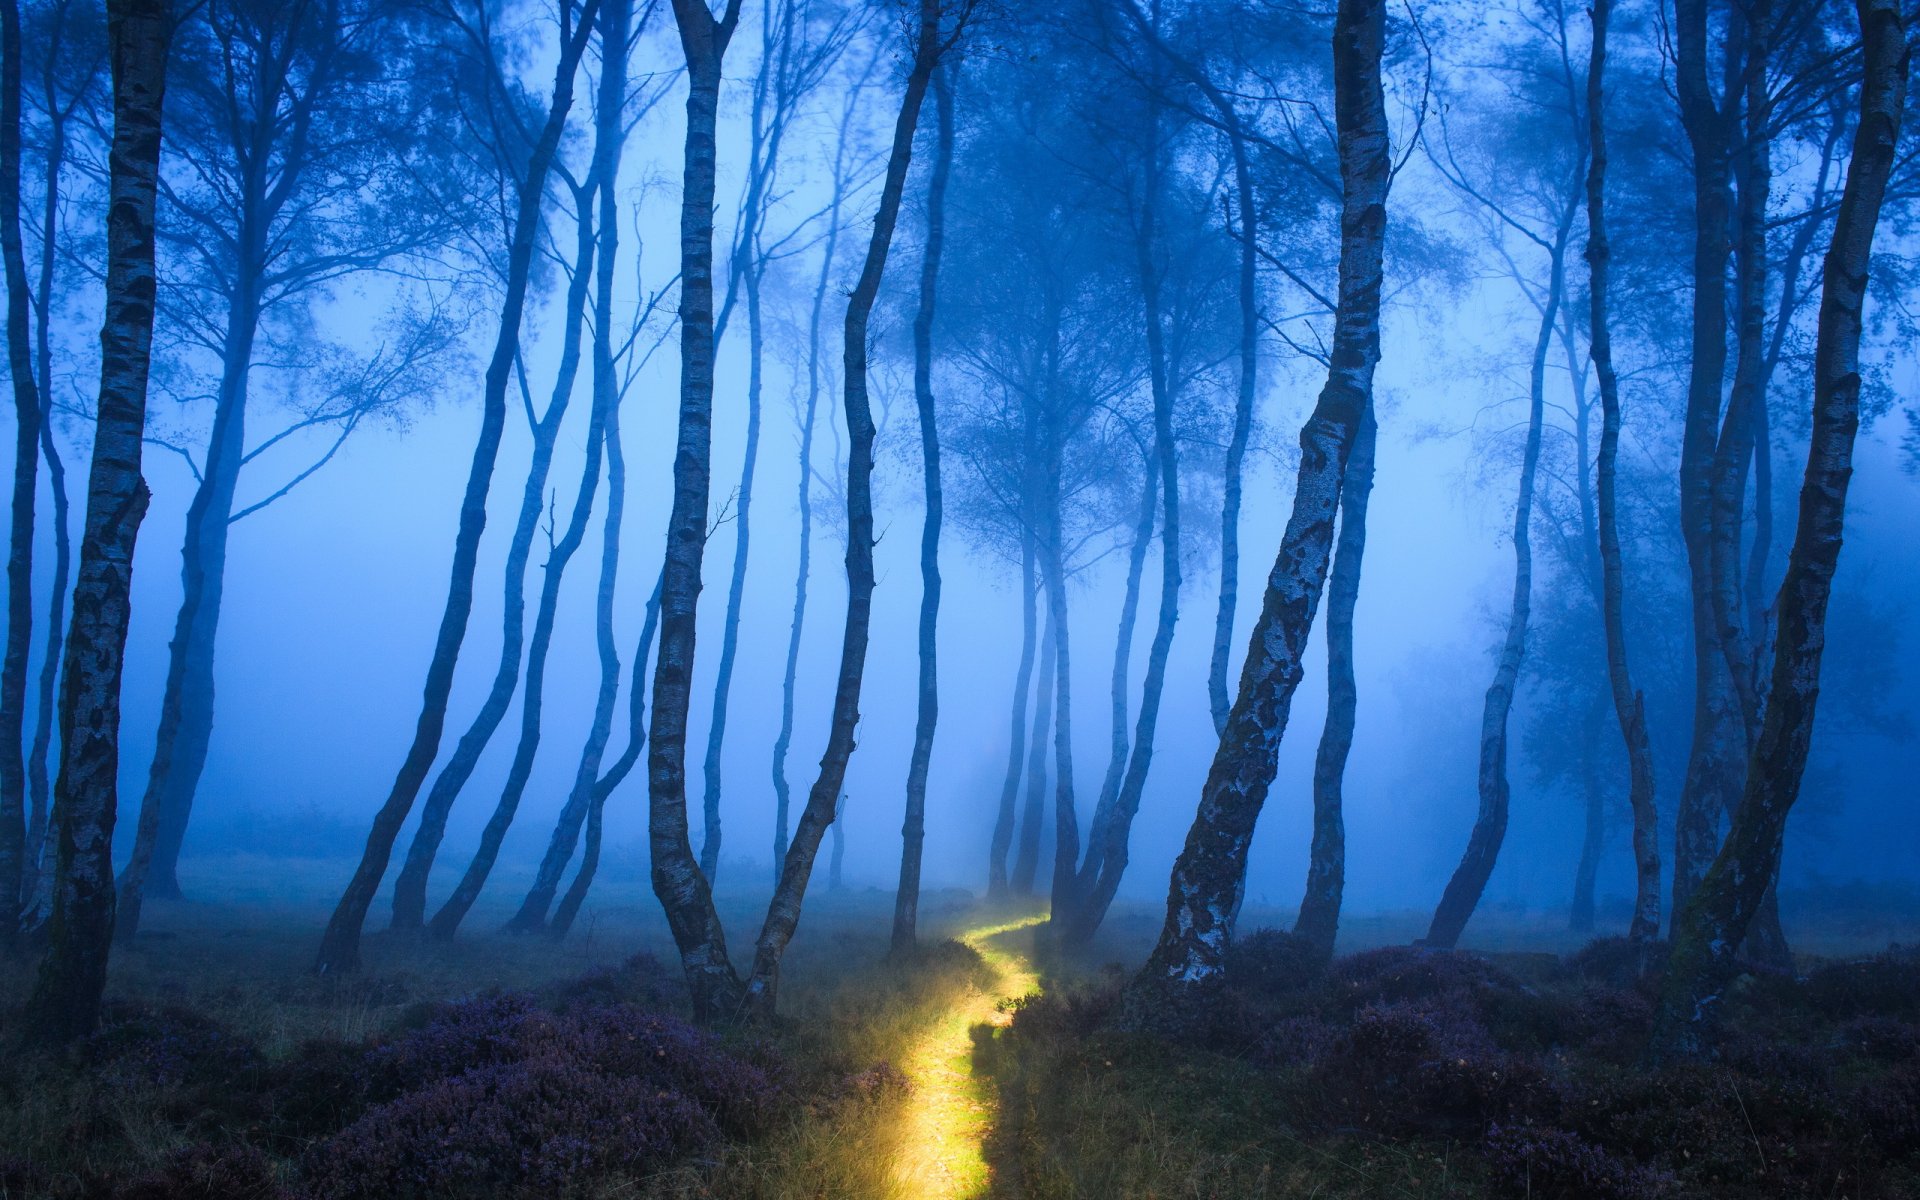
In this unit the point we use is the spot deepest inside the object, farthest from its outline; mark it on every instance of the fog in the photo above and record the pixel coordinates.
(334, 591)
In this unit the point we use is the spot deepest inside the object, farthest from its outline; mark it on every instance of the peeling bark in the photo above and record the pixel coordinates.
(677, 878)
(65, 1002)
(1721, 910)
(1211, 868)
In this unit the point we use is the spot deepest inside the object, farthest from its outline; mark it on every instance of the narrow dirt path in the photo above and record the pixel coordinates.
(949, 1111)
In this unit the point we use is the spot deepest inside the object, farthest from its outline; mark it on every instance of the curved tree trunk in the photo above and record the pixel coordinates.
(186, 705)
(14, 839)
(1120, 684)
(39, 789)
(906, 902)
(783, 742)
(447, 921)
(783, 912)
(1319, 919)
(340, 945)
(1211, 869)
(1107, 841)
(1628, 704)
(1716, 917)
(563, 916)
(1714, 757)
(677, 878)
(609, 129)
(1026, 863)
(1490, 825)
(65, 1002)
(410, 887)
(998, 887)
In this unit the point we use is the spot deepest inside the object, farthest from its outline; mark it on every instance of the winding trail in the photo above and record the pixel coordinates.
(949, 1111)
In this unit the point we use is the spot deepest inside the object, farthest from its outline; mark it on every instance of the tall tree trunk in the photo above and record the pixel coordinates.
(1490, 824)
(570, 903)
(447, 921)
(410, 887)
(65, 1003)
(609, 131)
(783, 912)
(1713, 759)
(998, 887)
(1211, 869)
(1629, 704)
(1319, 919)
(1107, 842)
(783, 742)
(677, 878)
(1053, 573)
(1717, 915)
(736, 595)
(906, 902)
(186, 705)
(1120, 684)
(340, 945)
(26, 481)
(1026, 862)
(39, 789)
(1229, 117)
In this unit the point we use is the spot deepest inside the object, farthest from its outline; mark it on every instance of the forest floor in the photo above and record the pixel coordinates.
(979, 1067)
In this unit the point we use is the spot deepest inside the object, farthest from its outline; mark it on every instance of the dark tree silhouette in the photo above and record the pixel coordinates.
(1210, 872)
(1716, 917)
(65, 1003)
(340, 945)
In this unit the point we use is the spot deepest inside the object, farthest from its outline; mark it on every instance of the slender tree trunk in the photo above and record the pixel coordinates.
(1211, 869)
(14, 839)
(736, 593)
(1120, 684)
(570, 903)
(39, 788)
(447, 921)
(677, 878)
(186, 705)
(906, 903)
(1717, 915)
(1026, 863)
(783, 742)
(1218, 701)
(340, 945)
(65, 1003)
(410, 887)
(1629, 704)
(1107, 843)
(998, 887)
(1053, 572)
(1490, 825)
(1713, 760)
(783, 912)
(609, 130)
(1319, 919)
